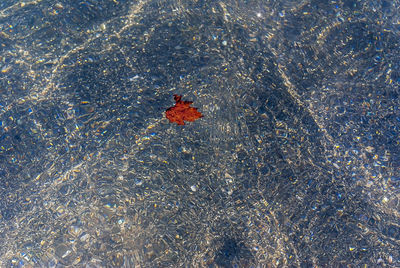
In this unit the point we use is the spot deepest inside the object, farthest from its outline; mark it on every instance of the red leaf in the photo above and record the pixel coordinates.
(182, 111)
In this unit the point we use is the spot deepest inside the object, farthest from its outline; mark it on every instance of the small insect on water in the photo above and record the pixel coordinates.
(182, 111)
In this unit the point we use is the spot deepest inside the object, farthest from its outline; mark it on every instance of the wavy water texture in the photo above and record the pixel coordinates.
(294, 164)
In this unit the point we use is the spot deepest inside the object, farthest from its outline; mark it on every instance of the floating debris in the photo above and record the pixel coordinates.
(182, 111)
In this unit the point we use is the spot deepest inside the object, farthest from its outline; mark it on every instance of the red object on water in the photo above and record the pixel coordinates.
(182, 111)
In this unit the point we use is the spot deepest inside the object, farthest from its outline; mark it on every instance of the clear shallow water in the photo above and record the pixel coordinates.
(295, 162)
